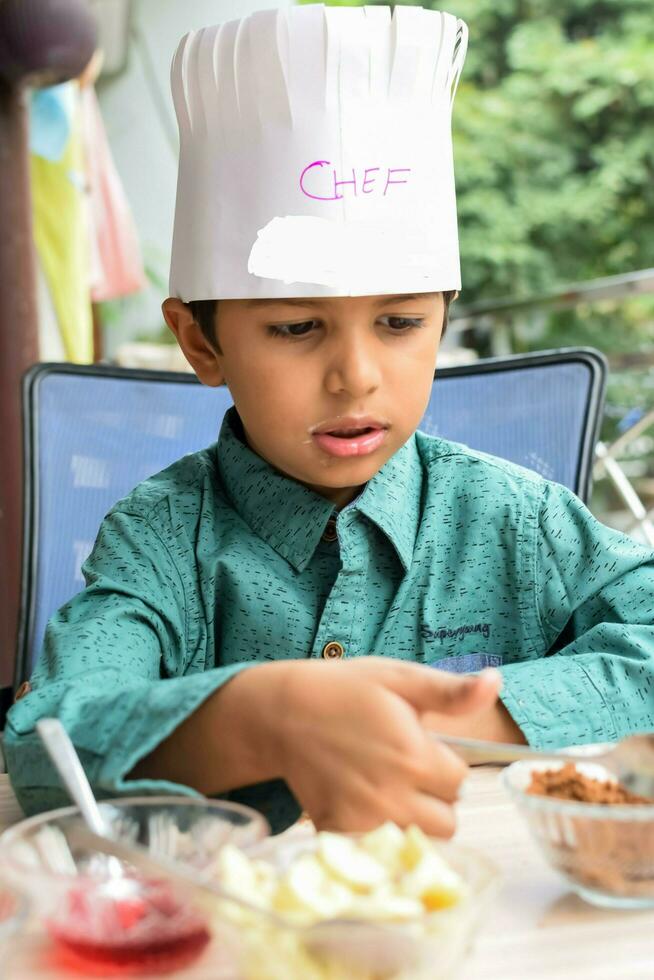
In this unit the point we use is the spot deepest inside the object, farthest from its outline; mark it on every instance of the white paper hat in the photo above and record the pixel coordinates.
(316, 154)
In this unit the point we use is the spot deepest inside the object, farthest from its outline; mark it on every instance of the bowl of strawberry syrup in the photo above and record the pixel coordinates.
(131, 927)
(104, 923)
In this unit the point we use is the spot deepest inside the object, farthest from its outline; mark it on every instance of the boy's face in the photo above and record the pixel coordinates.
(327, 389)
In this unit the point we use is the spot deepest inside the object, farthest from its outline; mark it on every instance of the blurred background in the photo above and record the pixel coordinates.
(554, 152)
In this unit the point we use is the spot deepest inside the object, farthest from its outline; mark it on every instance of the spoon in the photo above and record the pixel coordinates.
(66, 761)
(631, 760)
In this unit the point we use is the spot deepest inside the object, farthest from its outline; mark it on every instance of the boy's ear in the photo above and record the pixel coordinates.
(197, 350)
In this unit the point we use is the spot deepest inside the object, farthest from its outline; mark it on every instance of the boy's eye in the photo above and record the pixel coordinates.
(401, 324)
(293, 329)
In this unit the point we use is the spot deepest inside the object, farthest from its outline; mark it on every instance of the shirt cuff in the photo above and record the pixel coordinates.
(555, 702)
(109, 741)
(166, 705)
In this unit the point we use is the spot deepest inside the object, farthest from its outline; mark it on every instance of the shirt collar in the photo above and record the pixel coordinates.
(392, 500)
(291, 518)
(287, 515)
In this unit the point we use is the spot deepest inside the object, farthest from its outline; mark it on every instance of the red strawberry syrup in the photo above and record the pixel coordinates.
(152, 932)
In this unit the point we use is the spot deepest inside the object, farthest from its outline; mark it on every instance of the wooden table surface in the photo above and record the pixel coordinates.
(536, 930)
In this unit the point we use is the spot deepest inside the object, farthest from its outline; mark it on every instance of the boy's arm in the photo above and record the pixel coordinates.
(103, 664)
(595, 596)
(346, 738)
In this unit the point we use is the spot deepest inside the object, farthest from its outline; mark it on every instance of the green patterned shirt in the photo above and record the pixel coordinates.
(448, 557)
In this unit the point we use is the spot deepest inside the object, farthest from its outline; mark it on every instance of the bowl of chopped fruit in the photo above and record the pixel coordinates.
(590, 828)
(388, 904)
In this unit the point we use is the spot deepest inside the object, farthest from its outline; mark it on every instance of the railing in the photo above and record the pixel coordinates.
(607, 464)
(564, 297)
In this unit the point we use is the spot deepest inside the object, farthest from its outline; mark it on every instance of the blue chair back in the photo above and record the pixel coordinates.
(542, 411)
(93, 433)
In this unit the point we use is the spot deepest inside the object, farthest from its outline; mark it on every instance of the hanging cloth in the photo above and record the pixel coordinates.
(117, 268)
(60, 221)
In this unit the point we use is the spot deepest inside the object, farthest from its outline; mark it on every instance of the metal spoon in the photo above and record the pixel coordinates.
(66, 761)
(631, 760)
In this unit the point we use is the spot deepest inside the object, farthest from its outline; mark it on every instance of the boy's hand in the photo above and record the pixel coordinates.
(348, 738)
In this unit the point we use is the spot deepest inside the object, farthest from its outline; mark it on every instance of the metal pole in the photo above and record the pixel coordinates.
(18, 350)
(42, 42)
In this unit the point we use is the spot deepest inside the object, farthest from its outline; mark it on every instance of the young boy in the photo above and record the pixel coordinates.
(263, 619)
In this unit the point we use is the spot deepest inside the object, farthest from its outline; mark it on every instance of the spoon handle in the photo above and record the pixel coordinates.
(477, 751)
(66, 761)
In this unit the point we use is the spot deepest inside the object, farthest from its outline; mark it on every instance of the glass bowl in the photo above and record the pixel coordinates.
(432, 946)
(604, 851)
(106, 914)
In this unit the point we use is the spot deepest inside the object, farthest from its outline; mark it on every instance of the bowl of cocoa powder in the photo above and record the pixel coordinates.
(591, 829)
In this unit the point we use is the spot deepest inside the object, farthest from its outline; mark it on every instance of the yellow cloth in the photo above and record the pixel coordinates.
(59, 200)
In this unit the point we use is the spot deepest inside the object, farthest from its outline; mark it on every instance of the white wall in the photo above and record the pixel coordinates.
(140, 121)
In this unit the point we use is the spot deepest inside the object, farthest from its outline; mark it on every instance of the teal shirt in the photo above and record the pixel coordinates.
(448, 557)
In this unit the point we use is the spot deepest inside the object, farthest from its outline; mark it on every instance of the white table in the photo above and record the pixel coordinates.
(536, 929)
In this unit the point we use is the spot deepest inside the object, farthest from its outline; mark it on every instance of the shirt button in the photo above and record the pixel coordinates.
(329, 534)
(333, 650)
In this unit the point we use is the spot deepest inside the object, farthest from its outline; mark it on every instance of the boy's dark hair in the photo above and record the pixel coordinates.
(204, 311)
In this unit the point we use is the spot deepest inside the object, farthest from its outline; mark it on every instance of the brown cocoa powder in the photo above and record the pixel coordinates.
(568, 783)
(608, 855)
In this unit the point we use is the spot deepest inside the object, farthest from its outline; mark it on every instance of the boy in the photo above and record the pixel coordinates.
(316, 203)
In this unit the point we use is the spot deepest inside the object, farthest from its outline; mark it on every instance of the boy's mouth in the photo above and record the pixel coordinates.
(350, 436)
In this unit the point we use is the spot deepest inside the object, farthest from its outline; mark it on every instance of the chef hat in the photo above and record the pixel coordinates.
(316, 154)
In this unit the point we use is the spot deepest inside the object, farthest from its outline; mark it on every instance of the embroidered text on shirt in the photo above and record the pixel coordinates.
(457, 633)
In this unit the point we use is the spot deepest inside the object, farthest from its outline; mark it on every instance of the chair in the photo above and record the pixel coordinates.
(541, 410)
(92, 433)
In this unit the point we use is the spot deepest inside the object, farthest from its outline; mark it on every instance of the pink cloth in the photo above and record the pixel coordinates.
(117, 267)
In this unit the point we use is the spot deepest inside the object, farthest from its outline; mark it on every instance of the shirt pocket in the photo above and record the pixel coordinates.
(467, 663)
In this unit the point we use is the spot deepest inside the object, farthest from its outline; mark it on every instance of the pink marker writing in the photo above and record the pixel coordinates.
(322, 182)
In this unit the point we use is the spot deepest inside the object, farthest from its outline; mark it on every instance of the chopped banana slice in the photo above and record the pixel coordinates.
(386, 845)
(416, 845)
(307, 892)
(433, 882)
(344, 858)
(253, 882)
(386, 906)
(237, 873)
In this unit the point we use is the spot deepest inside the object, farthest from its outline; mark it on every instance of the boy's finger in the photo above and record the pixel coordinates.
(428, 689)
(445, 770)
(433, 816)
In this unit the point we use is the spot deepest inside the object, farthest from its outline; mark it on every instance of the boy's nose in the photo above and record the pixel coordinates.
(353, 370)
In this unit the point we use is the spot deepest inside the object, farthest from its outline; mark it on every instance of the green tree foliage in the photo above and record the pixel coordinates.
(554, 142)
